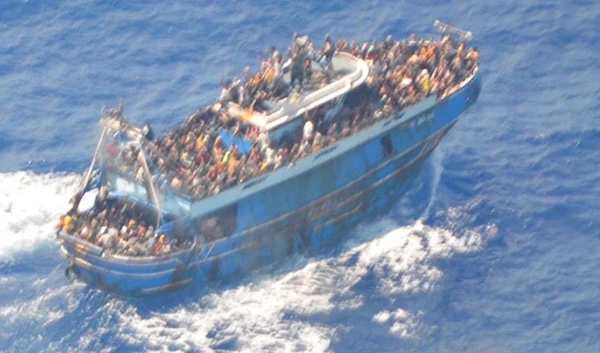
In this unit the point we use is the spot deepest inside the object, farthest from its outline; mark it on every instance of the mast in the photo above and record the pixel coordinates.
(114, 120)
(86, 179)
(149, 182)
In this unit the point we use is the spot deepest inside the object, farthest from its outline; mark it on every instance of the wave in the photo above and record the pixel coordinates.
(278, 313)
(291, 310)
(438, 168)
(30, 205)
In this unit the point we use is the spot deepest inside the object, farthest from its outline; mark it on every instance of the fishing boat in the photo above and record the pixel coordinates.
(286, 161)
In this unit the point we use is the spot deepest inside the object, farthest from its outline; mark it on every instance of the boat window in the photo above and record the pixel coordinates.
(219, 224)
(287, 129)
(388, 146)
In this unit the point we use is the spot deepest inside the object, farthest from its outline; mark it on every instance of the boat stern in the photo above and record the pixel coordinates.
(122, 274)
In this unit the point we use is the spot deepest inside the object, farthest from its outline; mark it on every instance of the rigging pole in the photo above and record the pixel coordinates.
(86, 179)
(151, 186)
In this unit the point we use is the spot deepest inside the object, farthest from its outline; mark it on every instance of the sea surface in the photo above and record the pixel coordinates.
(495, 249)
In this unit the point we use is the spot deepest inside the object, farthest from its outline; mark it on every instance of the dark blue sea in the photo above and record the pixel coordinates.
(495, 249)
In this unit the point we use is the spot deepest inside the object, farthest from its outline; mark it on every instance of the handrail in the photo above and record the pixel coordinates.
(81, 244)
(448, 28)
(327, 93)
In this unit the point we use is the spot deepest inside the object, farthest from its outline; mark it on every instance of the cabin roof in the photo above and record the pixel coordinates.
(348, 72)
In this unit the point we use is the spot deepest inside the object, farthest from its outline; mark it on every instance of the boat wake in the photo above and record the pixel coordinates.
(302, 308)
(309, 305)
(30, 205)
(436, 163)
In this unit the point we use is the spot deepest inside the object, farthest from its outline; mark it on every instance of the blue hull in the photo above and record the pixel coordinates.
(278, 216)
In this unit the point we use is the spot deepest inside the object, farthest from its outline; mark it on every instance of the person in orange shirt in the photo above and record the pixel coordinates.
(234, 161)
(157, 246)
(200, 141)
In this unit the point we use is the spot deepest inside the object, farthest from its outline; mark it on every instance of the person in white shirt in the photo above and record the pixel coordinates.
(269, 156)
(308, 130)
(106, 240)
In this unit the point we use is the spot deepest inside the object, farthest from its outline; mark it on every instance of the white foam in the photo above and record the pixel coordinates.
(30, 205)
(267, 316)
(436, 161)
(252, 316)
(49, 304)
(404, 323)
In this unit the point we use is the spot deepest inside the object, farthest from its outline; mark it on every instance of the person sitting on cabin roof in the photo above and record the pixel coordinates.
(226, 95)
(308, 69)
(237, 91)
(397, 81)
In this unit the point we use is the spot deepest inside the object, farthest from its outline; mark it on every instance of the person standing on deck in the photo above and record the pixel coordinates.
(328, 49)
(327, 53)
(297, 70)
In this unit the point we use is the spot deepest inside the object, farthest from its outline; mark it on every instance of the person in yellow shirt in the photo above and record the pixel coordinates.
(67, 223)
(424, 82)
(199, 142)
(131, 223)
(225, 159)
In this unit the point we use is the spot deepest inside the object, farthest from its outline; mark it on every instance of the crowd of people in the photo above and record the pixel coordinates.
(194, 160)
(121, 227)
